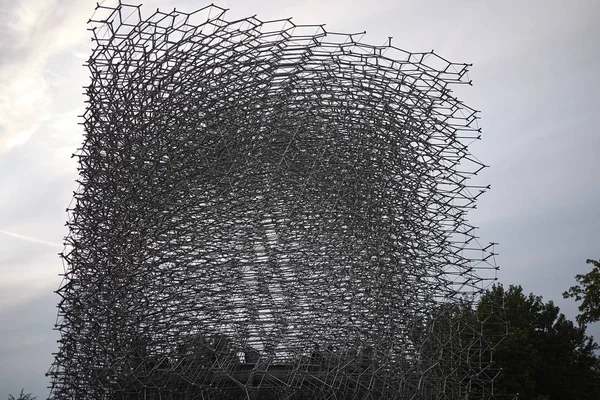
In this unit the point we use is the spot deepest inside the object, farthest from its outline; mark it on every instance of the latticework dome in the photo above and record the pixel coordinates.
(269, 211)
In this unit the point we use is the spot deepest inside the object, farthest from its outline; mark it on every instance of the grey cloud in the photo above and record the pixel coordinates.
(26, 345)
(535, 78)
(544, 249)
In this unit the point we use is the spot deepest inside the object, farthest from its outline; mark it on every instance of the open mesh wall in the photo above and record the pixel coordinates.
(269, 211)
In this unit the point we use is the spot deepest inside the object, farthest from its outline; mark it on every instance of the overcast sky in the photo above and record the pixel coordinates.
(536, 80)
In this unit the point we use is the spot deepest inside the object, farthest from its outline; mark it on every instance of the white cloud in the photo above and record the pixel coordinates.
(22, 105)
(36, 31)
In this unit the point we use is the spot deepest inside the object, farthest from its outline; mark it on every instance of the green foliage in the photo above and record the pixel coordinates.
(542, 355)
(588, 293)
(22, 396)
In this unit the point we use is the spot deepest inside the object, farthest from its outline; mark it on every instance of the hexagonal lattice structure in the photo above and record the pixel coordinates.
(269, 210)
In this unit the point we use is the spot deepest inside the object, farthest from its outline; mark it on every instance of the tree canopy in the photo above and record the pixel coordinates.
(543, 355)
(588, 293)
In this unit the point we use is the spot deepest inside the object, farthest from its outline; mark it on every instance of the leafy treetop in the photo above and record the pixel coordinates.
(22, 396)
(588, 293)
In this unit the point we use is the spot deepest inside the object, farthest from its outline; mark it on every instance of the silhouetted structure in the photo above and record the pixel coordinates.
(269, 211)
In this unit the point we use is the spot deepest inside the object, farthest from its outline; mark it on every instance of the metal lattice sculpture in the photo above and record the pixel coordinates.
(269, 211)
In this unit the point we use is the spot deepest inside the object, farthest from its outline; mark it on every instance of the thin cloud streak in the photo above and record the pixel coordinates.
(31, 239)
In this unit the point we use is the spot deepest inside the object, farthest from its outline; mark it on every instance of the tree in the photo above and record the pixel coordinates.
(22, 396)
(588, 293)
(541, 354)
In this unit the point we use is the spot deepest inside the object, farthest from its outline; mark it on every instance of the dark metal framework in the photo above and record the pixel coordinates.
(269, 211)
